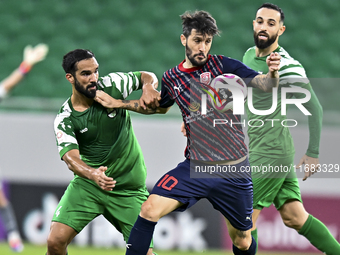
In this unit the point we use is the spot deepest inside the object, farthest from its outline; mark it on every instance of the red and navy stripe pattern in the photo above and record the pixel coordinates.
(204, 141)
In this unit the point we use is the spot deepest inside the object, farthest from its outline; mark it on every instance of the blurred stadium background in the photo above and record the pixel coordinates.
(130, 35)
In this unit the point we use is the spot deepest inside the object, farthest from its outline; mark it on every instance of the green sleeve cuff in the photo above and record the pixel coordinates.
(312, 155)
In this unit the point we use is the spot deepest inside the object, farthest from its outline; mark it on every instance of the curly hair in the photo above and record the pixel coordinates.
(202, 21)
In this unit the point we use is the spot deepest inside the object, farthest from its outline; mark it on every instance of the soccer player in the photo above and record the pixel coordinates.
(32, 55)
(99, 146)
(177, 190)
(272, 145)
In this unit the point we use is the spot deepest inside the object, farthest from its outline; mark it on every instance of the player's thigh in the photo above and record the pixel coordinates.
(233, 197)
(178, 185)
(155, 207)
(80, 204)
(289, 191)
(61, 233)
(122, 210)
(268, 176)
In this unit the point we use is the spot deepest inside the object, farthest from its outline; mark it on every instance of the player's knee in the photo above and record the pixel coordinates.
(293, 221)
(242, 244)
(55, 245)
(149, 211)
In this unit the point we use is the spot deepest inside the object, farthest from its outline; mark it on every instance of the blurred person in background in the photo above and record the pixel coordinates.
(32, 55)
(272, 145)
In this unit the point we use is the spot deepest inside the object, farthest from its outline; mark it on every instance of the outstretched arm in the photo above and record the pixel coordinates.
(133, 105)
(32, 55)
(270, 80)
(75, 164)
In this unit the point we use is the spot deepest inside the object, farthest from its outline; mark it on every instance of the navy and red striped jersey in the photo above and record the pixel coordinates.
(206, 141)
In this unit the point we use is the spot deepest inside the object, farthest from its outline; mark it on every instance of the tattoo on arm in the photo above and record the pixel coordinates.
(264, 82)
(260, 82)
(135, 106)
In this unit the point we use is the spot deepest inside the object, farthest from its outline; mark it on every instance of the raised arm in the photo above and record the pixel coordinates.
(76, 165)
(32, 55)
(132, 105)
(270, 80)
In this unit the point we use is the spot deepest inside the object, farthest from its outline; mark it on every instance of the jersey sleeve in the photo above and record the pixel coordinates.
(237, 67)
(166, 100)
(3, 92)
(314, 120)
(64, 133)
(120, 85)
(293, 74)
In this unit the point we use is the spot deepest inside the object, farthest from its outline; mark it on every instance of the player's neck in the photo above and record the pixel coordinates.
(266, 51)
(187, 64)
(80, 102)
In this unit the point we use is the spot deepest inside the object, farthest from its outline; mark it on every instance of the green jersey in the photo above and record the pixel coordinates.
(104, 137)
(269, 134)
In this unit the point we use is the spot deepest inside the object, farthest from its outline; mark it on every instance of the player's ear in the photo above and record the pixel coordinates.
(282, 29)
(70, 78)
(183, 40)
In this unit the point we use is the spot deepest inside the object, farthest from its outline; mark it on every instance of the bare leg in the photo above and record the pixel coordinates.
(59, 238)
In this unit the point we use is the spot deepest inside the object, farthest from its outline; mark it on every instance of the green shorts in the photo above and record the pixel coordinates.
(83, 201)
(274, 182)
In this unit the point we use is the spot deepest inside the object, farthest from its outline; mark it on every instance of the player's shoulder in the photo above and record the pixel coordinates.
(171, 73)
(110, 79)
(291, 70)
(250, 50)
(287, 59)
(65, 111)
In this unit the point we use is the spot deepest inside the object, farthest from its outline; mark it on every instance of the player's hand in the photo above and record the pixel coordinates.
(103, 181)
(311, 166)
(273, 63)
(33, 55)
(183, 130)
(106, 100)
(150, 97)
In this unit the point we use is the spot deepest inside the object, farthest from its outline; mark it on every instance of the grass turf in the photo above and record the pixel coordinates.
(31, 249)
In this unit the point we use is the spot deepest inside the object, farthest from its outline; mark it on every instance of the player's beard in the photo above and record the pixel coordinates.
(262, 44)
(86, 91)
(192, 59)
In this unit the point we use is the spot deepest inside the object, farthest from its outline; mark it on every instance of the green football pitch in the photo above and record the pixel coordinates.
(76, 250)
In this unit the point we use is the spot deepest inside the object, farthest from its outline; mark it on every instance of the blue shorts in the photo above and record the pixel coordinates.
(233, 197)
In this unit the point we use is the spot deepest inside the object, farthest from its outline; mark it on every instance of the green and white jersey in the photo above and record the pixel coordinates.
(272, 138)
(104, 137)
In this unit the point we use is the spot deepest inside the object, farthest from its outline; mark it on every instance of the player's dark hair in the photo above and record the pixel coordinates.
(73, 57)
(202, 21)
(274, 7)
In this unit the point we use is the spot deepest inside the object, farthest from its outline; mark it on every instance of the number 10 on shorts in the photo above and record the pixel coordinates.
(168, 182)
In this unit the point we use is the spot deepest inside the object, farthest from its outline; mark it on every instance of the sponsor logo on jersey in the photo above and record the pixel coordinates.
(59, 134)
(194, 106)
(205, 78)
(83, 130)
(179, 88)
(111, 113)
